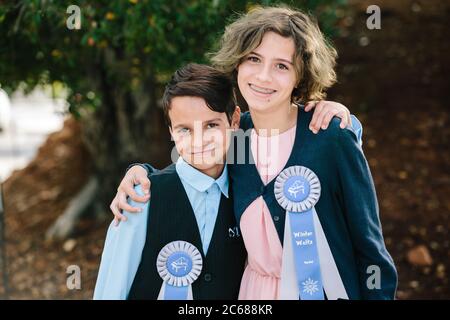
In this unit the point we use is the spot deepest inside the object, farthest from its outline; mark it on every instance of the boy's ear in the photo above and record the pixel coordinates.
(236, 119)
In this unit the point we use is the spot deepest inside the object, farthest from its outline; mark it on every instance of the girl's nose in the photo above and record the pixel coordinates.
(264, 74)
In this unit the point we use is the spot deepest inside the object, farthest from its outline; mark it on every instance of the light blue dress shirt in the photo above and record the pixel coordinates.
(124, 243)
(357, 128)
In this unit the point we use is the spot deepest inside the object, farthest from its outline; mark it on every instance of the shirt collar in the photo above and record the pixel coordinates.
(200, 181)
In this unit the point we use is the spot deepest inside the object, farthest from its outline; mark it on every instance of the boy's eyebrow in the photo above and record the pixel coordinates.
(212, 120)
(279, 59)
(182, 125)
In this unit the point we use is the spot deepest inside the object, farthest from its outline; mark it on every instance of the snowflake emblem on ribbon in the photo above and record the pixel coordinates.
(310, 286)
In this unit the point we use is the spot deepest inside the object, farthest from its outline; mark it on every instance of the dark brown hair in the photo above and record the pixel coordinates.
(198, 80)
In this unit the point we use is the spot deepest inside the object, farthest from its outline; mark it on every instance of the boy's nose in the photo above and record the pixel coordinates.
(197, 139)
(195, 148)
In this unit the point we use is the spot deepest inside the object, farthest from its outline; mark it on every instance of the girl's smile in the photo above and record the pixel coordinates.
(261, 91)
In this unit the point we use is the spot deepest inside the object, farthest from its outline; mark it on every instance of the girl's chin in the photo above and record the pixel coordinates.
(260, 105)
(266, 106)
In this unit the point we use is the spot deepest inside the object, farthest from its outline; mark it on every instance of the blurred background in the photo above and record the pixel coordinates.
(80, 101)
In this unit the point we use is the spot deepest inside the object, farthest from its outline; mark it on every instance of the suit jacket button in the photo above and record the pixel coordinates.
(207, 277)
(276, 218)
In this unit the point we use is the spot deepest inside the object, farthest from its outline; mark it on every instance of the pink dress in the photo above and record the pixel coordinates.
(261, 277)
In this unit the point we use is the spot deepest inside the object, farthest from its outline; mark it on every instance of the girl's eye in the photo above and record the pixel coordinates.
(183, 130)
(212, 125)
(282, 66)
(253, 59)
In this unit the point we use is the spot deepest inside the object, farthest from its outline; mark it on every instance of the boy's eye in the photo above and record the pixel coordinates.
(253, 59)
(282, 66)
(211, 125)
(183, 130)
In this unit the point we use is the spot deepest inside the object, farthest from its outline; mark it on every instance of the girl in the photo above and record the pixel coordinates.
(278, 58)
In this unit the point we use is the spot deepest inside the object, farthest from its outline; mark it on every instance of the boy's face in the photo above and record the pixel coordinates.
(201, 135)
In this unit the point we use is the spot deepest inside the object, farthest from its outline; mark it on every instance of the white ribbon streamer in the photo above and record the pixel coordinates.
(332, 282)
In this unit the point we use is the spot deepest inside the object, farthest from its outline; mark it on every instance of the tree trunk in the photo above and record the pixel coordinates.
(129, 127)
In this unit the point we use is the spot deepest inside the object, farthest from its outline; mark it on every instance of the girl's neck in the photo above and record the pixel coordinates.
(274, 122)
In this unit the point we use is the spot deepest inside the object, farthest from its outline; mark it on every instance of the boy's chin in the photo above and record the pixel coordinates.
(206, 167)
(205, 163)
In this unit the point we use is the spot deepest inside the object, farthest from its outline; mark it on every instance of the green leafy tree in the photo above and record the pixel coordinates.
(115, 65)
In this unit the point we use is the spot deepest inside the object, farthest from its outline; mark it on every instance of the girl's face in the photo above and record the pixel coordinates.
(266, 77)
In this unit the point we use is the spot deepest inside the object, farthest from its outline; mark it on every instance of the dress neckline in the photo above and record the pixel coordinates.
(295, 146)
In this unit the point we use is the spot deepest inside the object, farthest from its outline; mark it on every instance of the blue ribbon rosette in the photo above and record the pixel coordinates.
(179, 264)
(297, 190)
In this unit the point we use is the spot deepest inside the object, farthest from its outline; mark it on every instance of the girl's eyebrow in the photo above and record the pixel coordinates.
(278, 59)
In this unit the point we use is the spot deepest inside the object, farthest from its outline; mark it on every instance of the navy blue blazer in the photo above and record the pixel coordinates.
(347, 208)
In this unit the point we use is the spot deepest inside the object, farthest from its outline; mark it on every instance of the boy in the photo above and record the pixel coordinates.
(190, 204)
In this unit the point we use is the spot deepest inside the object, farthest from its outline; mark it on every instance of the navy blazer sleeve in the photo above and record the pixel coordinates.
(362, 215)
(148, 167)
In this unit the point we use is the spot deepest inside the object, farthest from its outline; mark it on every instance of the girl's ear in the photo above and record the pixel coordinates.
(236, 118)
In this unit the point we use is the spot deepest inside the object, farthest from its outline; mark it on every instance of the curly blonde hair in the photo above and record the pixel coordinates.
(314, 58)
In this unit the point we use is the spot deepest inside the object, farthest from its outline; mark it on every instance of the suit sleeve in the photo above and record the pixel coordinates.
(357, 192)
(122, 254)
(148, 167)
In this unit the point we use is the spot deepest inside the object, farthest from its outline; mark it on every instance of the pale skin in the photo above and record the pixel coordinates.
(266, 79)
(201, 135)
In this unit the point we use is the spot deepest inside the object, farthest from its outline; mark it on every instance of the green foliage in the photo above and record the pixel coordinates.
(148, 40)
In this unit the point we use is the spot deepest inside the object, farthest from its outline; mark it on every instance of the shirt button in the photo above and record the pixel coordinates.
(207, 277)
(276, 218)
